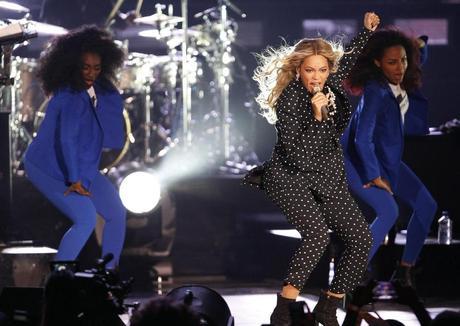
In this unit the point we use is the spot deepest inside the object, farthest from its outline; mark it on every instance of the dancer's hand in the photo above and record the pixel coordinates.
(379, 183)
(371, 21)
(78, 188)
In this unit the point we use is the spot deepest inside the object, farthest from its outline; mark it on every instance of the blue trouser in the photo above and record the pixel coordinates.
(81, 210)
(410, 190)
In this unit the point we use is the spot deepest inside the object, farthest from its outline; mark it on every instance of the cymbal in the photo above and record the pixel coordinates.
(158, 18)
(172, 37)
(7, 5)
(150, 59)
(44, 29)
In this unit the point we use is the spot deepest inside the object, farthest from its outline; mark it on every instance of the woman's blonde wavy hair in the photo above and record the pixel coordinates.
(278, 67)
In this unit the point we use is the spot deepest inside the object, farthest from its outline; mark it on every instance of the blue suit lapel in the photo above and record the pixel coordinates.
(396, 107)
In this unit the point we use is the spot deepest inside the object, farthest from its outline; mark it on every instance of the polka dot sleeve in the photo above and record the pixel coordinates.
(300, 135)
(352, 52)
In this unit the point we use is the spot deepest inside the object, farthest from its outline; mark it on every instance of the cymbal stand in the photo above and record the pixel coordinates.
(147, 123)
(224, 80)
(223, 72)
(186, 88)
(171, 70)
(6, 191)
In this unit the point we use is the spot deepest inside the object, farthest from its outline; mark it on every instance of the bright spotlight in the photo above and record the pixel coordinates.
(140, 192)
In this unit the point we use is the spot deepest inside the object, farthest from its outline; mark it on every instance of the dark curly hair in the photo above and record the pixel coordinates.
(366, 70)
(60, 64)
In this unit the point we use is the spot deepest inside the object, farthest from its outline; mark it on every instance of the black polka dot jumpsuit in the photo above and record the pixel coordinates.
(305, 177)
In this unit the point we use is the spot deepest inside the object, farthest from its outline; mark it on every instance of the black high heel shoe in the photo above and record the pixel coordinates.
(403, 275)
(281, 315)
(325, 310)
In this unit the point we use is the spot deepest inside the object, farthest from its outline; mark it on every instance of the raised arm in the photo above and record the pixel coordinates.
(354, 49)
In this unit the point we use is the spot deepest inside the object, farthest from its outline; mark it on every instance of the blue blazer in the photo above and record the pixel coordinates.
(374, 138)
(69, 142)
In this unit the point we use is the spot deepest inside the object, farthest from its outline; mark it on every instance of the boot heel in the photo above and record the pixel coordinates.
(325, 310)
(281, 315)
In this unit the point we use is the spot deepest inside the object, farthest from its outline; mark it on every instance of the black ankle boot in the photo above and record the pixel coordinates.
(325, 310)
(403, 275)
(280, 315)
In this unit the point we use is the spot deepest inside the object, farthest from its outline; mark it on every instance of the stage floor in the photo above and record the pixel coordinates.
(252, 303)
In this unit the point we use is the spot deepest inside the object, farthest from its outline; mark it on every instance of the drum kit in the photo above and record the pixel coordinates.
(178, 97)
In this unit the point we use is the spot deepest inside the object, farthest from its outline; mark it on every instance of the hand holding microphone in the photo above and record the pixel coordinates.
(319, 103)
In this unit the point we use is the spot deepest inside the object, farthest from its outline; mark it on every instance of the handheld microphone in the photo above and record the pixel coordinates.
(324, 109)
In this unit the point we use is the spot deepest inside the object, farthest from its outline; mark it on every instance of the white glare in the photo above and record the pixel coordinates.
(290, 233)
(28, 250)
(140, 192)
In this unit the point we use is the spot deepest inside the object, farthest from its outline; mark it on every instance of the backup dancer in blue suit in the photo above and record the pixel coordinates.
(83, 116)
(388, 75)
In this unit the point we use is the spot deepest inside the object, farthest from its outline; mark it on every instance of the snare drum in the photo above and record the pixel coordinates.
(137, 73)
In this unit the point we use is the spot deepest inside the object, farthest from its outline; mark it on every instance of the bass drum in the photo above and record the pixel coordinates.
(28, 91)
(109, 157)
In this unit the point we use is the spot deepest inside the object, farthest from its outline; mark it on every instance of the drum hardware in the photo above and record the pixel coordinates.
(25, 29)
(116, 11)
(159, 89)
(26, 97)
(146, 76)
(149, 85)
(220, 59)
(11, 35)
(213, 12)
(44, 29)
(212, 40)
(159, 19)
(6, 93)
(185, 81)
(172, 37)
(14, 7)
(137, 72)
(164, 31)
(138, 78)
(17, 32)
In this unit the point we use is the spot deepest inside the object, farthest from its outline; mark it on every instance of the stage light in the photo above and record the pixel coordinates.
(209, 304)
(140, 191)
(27, 265)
